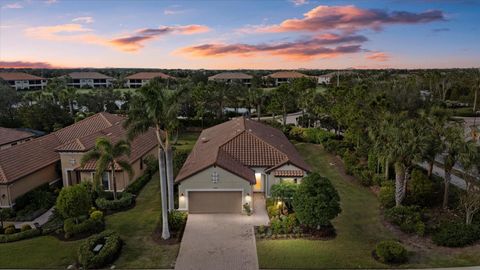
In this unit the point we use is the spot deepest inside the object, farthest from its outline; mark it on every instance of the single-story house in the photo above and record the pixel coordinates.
(229, 77)
(326, 78)
(56, 156)
(282, 77)
(142, 78)
(23, 81)
(231, 161)
(10, 137)
(89, 79)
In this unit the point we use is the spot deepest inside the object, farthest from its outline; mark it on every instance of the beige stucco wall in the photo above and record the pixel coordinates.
(69, 161)
(25, 184)
(203, 181)
(271, 179)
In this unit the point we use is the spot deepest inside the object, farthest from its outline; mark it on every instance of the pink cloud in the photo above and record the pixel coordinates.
(378, 56)
(25, 64)
(325, 46)
(350, 19)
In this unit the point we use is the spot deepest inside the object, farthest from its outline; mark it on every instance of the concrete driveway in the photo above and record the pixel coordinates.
(221, 241)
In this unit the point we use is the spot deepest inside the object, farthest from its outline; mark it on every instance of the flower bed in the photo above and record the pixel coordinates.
(111, 247)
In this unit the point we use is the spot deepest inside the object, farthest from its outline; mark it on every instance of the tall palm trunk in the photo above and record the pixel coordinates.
(387, 169)
(430, 168)
(70, 103)
(114, 181)
(284, 114)
(258, 112)
(163, 193)
(446, 182)
(170, 185)
(399, 183)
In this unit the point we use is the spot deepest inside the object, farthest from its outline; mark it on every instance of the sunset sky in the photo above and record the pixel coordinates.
(262, 34)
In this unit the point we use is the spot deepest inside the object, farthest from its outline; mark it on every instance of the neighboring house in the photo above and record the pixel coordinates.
(282, 77)
(232, 160)
(142, 78)
(23, 81)
(56, 156)
(89, 80)
(229, 77)
(326, 78)
(10, 137)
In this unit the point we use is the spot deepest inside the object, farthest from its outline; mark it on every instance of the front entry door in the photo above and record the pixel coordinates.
(260, 183)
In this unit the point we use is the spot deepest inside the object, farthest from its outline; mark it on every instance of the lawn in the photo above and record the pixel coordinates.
(359, 228)
(186, 140)
(136, 227)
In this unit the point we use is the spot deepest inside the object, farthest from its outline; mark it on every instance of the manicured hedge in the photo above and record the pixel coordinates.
(126, 200)
(6, 238)
(457, 235)
(138, 184)
(87, 226)
(391, 252)
(408, 218)
(112, 244)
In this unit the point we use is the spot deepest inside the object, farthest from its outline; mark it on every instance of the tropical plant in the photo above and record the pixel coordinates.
(157, 106)
(73, 202)
(452, 145)
(108, 157)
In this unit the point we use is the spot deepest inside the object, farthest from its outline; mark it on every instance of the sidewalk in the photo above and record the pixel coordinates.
(455, 180)
(40, 220)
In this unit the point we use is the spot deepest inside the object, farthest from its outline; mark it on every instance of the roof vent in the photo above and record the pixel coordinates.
(204, 139)
(109, 134)
(249, 130)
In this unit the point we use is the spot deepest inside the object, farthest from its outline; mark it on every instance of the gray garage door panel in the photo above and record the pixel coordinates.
(214, 202)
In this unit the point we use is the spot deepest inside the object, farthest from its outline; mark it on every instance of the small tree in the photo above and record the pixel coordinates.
(74, 201)
(4, 214)
(284, 192)
(316, 201)
(470, 199)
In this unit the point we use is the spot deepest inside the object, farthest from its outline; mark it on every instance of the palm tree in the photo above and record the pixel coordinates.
(470, 159)
(157, 106)
(68, 95)
(452, 145)
(108, 156)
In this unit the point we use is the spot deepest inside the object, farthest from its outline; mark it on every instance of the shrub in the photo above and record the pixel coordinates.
(336, 147)
(112, 245)
(456, 235)
(26, 227)
(296, 133)
(408, 218)
(74, 201)
(391, 252)
(125, 200)
(96, 215)
(273, 211)
(290, 222)
(10, 230)
(316, 201)
(38, 198)
(177, 220)
(387, 194)
(247, 209)
(284, 191)
(179, 158)
(136, 186)
(317, 135)
(276, 225)
(422, 189)
(87, 226)
(351, 162)
(6, 238)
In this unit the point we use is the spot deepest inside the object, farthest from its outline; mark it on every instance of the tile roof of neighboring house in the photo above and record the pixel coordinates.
(88, 75)
(148, 76)
(230, 76)
(239, 144)
(287, 74)
(26, 158)
(288, 173)
(17, 76)
(10, 135)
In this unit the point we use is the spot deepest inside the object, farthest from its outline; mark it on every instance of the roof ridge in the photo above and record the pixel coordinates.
(80, 142)
(269, 144)
(104, 118)
(2, 173)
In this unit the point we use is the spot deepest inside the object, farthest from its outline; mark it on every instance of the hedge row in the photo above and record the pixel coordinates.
(87, 226)
(6, 238)
(126, 199)
(112, 245)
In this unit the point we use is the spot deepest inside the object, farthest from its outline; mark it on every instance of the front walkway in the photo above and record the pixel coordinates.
(40, 220)
(221, 241)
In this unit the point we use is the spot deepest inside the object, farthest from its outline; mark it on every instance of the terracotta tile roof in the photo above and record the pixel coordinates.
(26, 158)
(250, 143)
(16, 76)
(288, 173)
(230, 76)
(10, 135)
(88, 75)
(287, 74)
(148, 76)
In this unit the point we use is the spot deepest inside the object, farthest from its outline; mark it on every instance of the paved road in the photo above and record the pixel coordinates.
(221, 241)
(455, 180)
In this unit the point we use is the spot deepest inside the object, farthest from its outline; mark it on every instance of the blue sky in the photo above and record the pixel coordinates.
(259, 34)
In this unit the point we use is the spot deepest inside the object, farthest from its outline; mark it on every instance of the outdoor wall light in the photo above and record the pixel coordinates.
(181, 195)
(248, 198)
(279, 203)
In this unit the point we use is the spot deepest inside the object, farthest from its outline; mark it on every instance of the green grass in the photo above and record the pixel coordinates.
(40, 252)
(136, 227)
(358, 227)
(186, 140)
